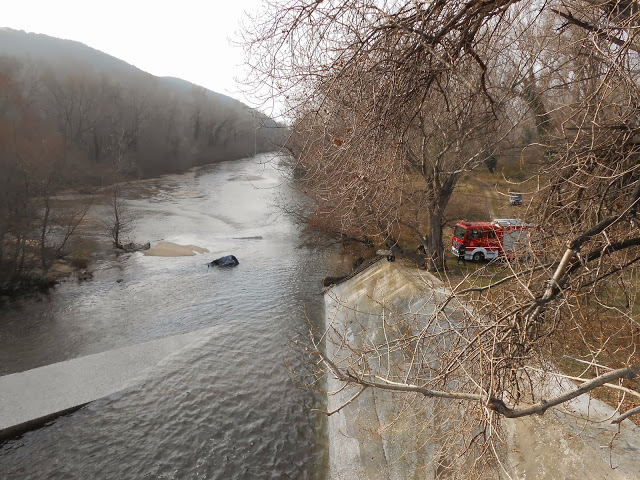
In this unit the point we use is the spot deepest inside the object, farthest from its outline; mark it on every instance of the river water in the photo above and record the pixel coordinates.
(226, 408)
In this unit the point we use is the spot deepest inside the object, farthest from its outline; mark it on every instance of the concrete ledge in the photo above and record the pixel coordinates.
(30, 399)
(373, 437)
(369, 439)
(16, 431)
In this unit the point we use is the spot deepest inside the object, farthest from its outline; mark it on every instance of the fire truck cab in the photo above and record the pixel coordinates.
(488, 240)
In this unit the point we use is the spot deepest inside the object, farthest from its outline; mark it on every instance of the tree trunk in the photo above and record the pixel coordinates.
(435, 245)
(44, 260)
(437, 205)
(116, 217)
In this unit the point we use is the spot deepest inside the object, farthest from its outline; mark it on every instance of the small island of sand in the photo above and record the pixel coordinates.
(170, 249)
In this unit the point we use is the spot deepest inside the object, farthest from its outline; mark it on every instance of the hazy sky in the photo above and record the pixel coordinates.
(179, 38)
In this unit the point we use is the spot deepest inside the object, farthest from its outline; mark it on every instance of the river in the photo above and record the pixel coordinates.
(226, 408)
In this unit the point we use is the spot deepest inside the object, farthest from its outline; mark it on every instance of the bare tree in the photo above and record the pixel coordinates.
(120, 219)
(382, 94)
(34, 227)
(56, 226)
(397, 120)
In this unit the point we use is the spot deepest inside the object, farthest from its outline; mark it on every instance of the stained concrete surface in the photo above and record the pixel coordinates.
(374, 437)
(42, 392)
(370, 439)
(573, 442)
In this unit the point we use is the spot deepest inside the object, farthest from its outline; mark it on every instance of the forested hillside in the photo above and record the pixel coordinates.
(73, 118)
(86, 104)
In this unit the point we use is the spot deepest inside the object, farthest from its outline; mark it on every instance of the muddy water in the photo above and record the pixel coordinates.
(225, 408)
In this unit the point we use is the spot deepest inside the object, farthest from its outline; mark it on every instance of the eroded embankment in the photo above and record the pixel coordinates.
(377, 437)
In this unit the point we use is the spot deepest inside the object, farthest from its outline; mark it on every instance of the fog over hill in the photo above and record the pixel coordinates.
(96, 105)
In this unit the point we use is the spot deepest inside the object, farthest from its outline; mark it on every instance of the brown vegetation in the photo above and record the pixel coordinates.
(394, 102)
(72, 118)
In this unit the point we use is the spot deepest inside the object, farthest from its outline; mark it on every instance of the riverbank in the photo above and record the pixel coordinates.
(33, 283)
(379, 436)
(88, 200)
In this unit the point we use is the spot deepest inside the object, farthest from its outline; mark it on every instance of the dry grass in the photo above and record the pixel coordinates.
(617, 346)
(587, 335)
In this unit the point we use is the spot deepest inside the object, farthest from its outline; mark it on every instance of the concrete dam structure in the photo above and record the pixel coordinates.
(375, 435)
(30, 399)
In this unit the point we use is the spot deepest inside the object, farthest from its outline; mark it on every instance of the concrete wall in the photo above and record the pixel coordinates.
(375, 436)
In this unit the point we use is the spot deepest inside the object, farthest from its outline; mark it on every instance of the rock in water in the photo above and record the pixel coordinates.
(226, 261)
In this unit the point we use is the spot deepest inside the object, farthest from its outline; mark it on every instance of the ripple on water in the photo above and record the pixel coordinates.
(225, 408)
(216, 410)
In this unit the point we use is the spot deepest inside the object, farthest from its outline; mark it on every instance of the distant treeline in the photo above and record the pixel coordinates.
(167, 125)
(74, 118)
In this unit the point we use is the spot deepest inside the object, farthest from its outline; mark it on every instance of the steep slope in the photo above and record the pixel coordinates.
(107, 111)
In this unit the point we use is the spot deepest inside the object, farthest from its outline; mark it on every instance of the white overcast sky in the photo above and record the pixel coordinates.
(181, 38)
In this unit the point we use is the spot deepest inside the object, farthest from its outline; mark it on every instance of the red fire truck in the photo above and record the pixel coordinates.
(503, 237)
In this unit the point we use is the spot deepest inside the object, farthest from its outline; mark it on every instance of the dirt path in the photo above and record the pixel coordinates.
(497, 202)
(490, 194)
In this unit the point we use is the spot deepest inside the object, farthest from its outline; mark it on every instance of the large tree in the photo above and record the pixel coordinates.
(399, 101)
(395, 100)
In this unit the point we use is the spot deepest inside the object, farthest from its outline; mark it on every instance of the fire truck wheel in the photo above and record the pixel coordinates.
(478, 257)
